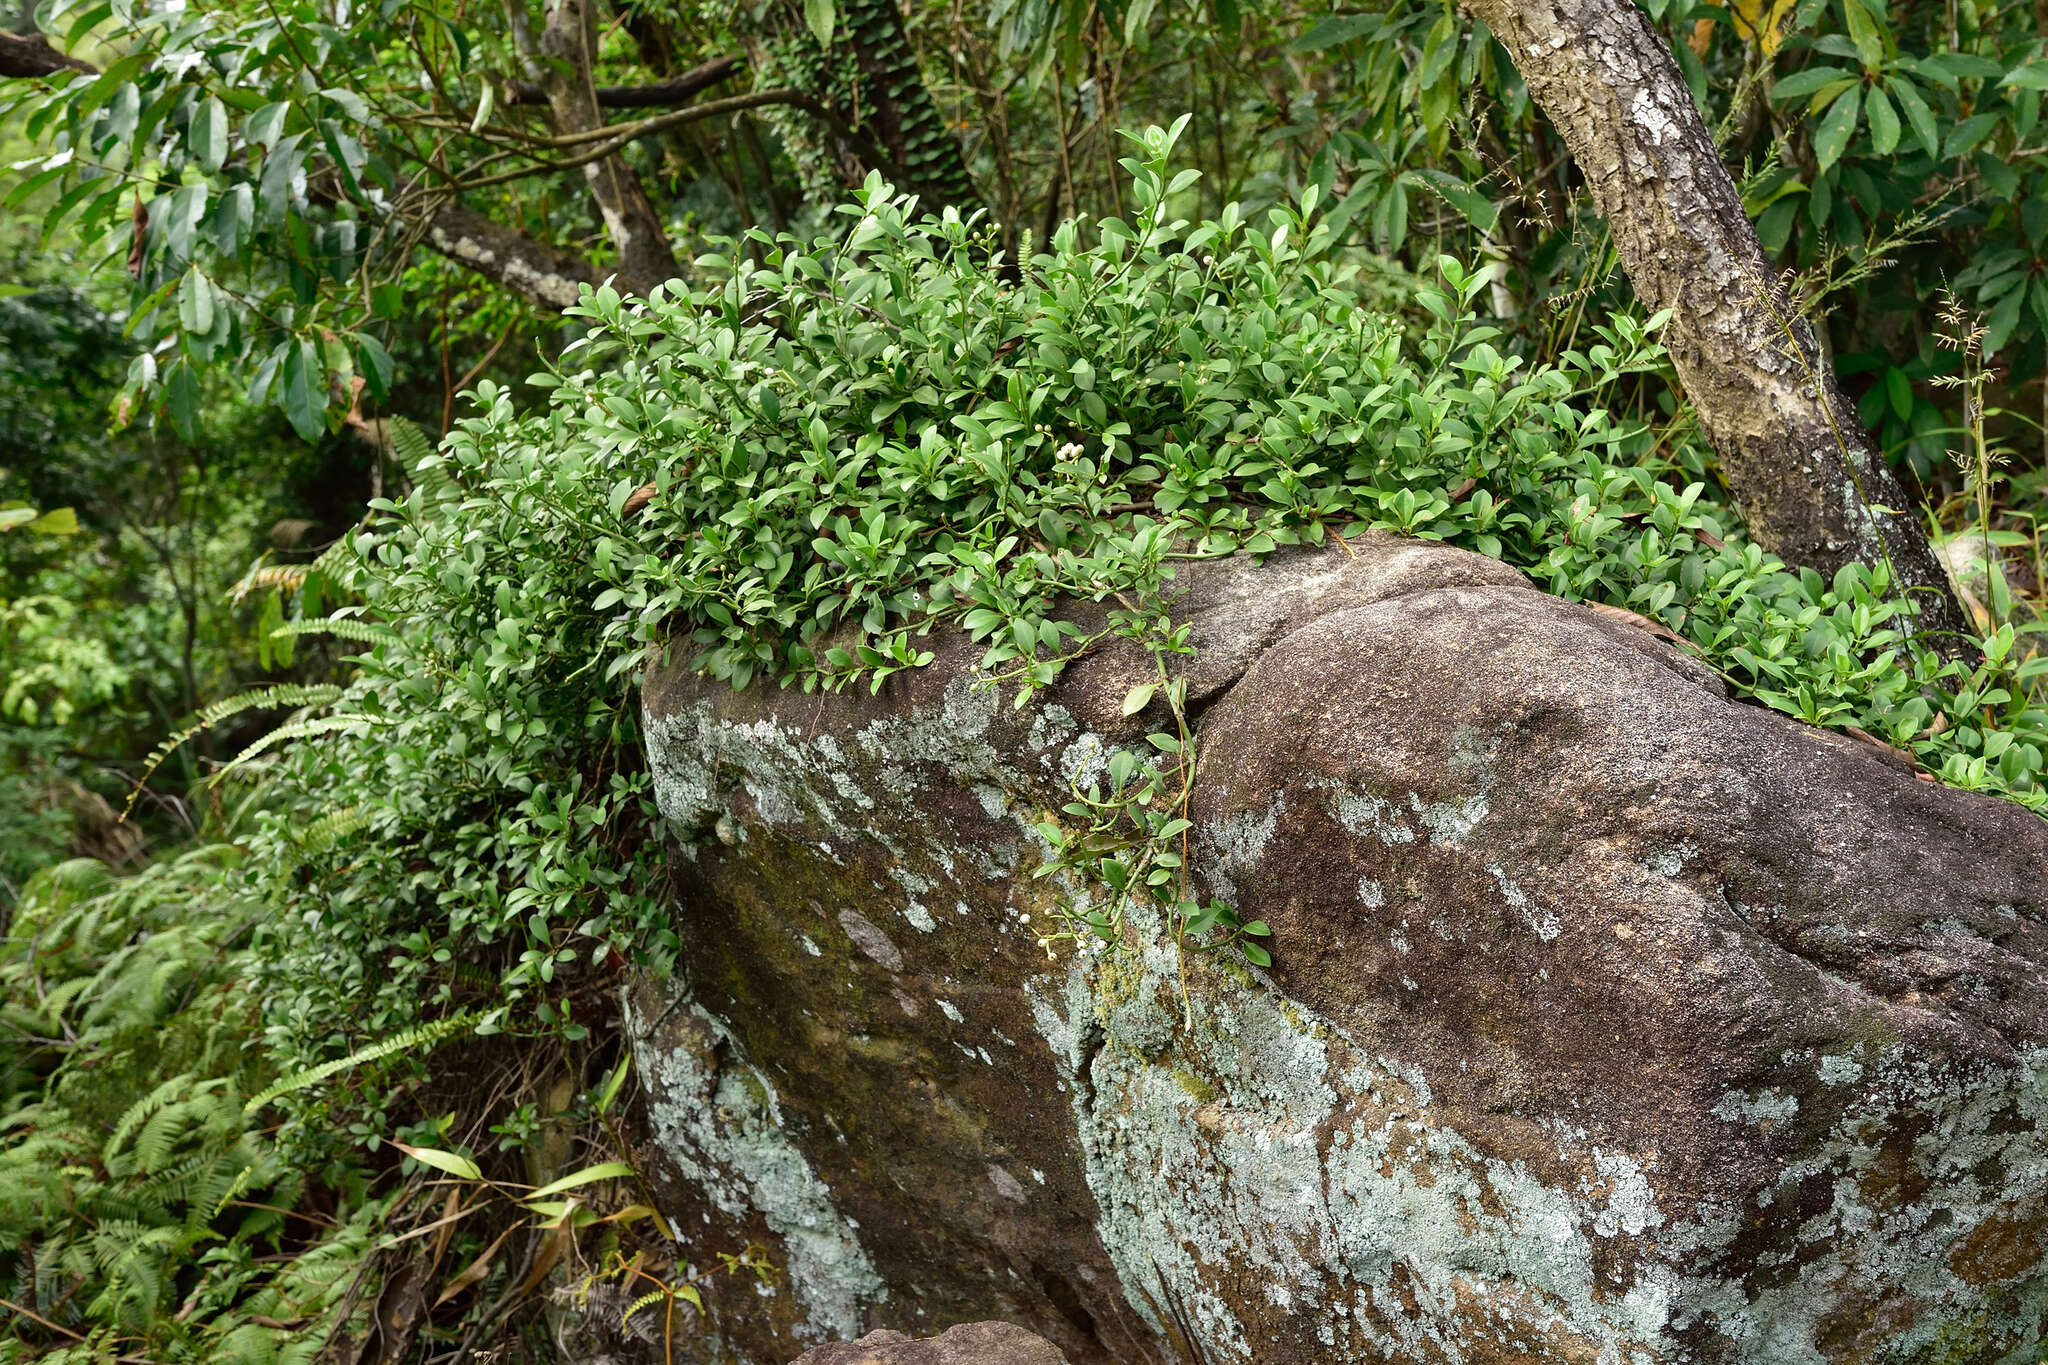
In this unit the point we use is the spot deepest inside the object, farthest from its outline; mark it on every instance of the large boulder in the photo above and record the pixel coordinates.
(970, 1343)
(1609, 1021)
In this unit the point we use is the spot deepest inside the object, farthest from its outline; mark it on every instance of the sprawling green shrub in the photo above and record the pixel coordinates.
(844, 444)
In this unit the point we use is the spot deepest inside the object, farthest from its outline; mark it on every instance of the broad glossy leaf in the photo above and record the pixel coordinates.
(2004, 318)
(821, 16)
(181, 399)
(1968, 134)
(282, 177)
(1899, 391)
(1867, 30)
(1335, 30)
(233, 215)
(207, 138)
(604, 1170)
(1802, 83)
(304, 396)
(452, 1162)
(1831, 139)
(195, 302)
(1883, 121)
(181, 220)
(266, 125)
(1917, 113)
(2028, 75)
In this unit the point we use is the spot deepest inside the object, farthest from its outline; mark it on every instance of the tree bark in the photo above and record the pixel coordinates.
(1808, 478)
(663, 95)
(560, 65)
(30, 54)
(548, 275)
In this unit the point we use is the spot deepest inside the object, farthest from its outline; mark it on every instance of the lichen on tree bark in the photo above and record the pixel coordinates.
(1810, 482)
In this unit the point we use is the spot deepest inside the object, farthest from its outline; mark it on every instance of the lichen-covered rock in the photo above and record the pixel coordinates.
(1610, 1021)
(970, 1343)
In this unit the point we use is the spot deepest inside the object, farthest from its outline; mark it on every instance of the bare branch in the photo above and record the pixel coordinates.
(30, 54)
(614, 137)
(547, 275)
(662, 95)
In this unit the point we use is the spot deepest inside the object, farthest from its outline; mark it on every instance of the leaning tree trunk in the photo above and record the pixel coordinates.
(1809, 480)
(559, 64)
(871, 108)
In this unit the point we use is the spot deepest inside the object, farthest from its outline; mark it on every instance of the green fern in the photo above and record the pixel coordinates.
(413, 1037)
(297, 695)
(139, 1113)
(298, 729)
(422, 462)
(338, 627)
(330, 829)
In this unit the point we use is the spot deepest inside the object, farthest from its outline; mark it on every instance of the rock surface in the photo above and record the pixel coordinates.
(1610, 1021)
(970, 1343)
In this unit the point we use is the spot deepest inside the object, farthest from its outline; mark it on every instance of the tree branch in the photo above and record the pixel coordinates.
(547, 275)
(637, 231)
(30, 54)
(662, 95)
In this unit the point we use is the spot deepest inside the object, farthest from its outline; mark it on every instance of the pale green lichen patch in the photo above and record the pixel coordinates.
(1757, 1106)
(1259, 1162)
(1672, 861)
(721, 1128)
(1366, 812)
(1259, 1147)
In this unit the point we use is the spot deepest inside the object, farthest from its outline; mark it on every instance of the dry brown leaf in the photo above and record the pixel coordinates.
(551, 1253)
(1640, 622)
(475, 1270)
(1863, 736)
(636, 500)
(450, 1211)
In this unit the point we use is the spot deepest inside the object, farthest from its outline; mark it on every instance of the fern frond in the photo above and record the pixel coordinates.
(263, 576)
(108, 1208)
(410, 445)
(647, 1300)
(326, 568)
(233, 1189)
(411, 1038)
(295, 695)
(138, 1113)
(298, 729)
(248, 1344)
(330, 829)
(340, 628)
